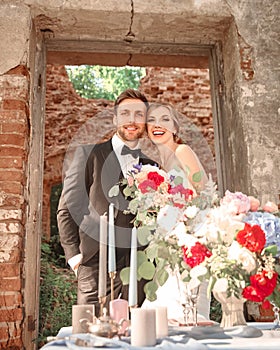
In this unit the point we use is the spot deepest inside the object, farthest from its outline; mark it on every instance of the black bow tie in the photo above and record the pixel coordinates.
(134, 152)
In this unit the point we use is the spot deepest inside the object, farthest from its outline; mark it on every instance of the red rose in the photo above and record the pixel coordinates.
(261, 286)
(252, 238)
(156, 177)
(251, 293)
(266, 305)
(196, 254)
(263, 283)
(147, 185)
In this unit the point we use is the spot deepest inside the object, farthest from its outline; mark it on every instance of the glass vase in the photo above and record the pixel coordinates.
(232, 310)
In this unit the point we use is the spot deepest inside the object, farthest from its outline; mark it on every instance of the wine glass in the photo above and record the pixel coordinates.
(189, 297)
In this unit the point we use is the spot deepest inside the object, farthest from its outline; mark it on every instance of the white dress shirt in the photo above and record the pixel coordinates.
(126, 161)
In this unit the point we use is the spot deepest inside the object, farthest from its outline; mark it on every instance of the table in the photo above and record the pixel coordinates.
(254, 336)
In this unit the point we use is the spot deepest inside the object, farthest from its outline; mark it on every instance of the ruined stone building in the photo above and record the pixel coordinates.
(236, 41)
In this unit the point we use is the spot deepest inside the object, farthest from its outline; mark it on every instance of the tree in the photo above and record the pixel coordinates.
(102, 81)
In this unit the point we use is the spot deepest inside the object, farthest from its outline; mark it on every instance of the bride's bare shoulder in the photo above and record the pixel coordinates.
(183, 149)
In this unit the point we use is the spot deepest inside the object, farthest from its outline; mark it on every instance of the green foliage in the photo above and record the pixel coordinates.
(58, 292)
(58, 288)
(104, 82)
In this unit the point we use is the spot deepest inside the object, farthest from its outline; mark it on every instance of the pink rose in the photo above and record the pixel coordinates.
(254, 203)
(270, 207)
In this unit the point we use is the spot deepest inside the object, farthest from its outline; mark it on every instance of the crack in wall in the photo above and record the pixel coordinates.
(130, 36)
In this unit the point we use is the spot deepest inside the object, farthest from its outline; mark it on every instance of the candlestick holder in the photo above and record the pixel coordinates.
(112, 276)
(132, 307)
(102, 301)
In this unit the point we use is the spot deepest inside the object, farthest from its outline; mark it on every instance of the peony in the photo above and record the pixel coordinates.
(262, 285)
(237, 202)
(251, 237)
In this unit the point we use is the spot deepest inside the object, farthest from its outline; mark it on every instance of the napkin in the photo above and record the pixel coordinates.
(244, 332)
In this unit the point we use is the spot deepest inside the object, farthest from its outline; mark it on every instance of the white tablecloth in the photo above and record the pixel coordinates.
(254, 336)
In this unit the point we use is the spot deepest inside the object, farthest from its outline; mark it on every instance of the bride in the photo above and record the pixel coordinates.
(175, 157)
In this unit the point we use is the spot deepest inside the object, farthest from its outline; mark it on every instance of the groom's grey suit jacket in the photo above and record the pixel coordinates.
(92, 173)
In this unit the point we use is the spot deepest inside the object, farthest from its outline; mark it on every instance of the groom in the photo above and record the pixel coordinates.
(93, 171)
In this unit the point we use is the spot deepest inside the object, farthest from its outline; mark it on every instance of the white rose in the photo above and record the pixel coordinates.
(184, 239)
(242, 255)
(191, 211)
(198, 271)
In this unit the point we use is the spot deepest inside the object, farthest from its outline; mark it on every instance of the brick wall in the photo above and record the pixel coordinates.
(14, 131)
(68, 116)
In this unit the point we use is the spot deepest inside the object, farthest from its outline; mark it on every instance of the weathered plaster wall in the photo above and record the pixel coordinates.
(252, 83)
(247, 33)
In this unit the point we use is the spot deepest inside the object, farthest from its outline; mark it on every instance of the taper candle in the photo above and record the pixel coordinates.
(102, 280)
(111, 234)
(132, 291)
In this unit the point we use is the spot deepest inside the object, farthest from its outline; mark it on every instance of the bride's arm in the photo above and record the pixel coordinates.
(191, 164)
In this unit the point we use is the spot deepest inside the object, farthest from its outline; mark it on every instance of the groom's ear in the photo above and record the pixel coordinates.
(115, 120)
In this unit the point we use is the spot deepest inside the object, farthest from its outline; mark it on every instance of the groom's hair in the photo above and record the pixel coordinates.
(130, 93)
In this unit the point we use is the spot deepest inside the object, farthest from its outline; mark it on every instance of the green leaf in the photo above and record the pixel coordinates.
(161, 276)
(147, 270)
(141, 257)
(197, 176)
(150, 289)
(152, 252)
(272, 249)
(127, 191)
(124, 275)
(163, 252)
(133, 206)
(143, 234)
(114, 191)
(178, 180)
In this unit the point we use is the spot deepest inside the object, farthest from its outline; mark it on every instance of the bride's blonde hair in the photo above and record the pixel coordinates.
(173, 113)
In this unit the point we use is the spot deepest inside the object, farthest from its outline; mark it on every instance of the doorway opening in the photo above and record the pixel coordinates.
(166, 56)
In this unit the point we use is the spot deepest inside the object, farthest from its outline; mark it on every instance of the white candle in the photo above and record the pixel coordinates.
(161, 321)
(132, 291)
(112, 249)
(102, 281)
(143, 327)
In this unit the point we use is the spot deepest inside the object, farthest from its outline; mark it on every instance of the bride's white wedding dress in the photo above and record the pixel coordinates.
(171, 295)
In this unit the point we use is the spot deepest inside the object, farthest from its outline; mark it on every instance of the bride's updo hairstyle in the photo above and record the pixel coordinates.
(173, 114)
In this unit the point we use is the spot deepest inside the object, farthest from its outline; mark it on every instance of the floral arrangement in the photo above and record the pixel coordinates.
(231, 242)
